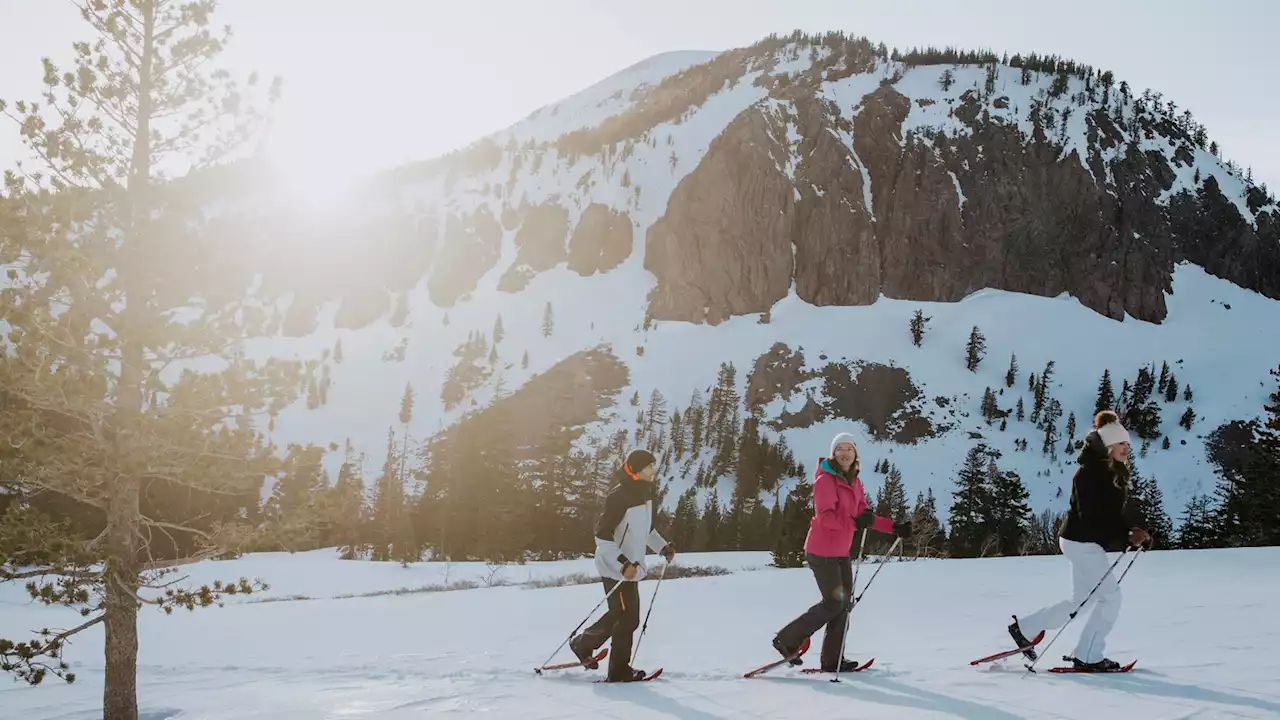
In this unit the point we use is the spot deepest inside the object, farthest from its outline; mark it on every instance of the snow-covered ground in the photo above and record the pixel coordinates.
(1199, 622)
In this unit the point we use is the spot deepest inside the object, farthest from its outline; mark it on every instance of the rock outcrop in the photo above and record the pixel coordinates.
(470, 248)
(601, 241)
(723, 247)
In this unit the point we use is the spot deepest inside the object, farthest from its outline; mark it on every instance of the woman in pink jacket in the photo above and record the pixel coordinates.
(839, 508)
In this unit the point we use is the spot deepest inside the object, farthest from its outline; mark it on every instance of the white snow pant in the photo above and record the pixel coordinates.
(1088, 564)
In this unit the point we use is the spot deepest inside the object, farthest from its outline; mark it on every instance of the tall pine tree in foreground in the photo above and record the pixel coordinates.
(98, 403)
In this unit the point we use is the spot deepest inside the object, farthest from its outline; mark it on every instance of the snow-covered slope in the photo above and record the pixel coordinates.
(1201, 652)
(1214, 333)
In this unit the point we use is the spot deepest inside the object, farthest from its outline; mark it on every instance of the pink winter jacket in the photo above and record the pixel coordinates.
(836, 503)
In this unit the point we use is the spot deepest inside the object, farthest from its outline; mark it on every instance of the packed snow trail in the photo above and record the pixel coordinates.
(1200, 623)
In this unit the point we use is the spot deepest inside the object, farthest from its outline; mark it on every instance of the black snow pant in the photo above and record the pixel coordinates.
(618, 624)
(835, 581)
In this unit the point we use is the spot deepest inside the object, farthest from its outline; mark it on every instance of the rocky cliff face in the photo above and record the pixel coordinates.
(948, 215)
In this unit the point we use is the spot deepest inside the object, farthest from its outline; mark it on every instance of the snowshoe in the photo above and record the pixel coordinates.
(846, 666)
(1103, 665)
(583, 652)
(790, 653)
(1021, 640)
(629, 675)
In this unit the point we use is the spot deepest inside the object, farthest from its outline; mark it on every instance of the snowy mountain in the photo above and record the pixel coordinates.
(786, 208)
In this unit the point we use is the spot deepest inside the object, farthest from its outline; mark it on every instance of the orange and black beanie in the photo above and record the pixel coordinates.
(638, 460)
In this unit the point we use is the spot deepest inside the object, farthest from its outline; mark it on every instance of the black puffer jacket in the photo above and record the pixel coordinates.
(1100, 512)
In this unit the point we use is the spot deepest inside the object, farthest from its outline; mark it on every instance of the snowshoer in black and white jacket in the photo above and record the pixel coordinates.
(623, 531)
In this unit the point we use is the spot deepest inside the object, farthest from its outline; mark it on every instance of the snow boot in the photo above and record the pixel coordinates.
(1103, 665)
(585, 655)
(846, 666)
(629, 675)
(1021, 640)
(787, 652)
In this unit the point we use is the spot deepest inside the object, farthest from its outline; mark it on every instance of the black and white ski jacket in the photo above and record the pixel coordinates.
(625, 527)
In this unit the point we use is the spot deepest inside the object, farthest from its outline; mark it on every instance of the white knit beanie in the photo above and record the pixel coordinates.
(1113, 434)
(841, 438)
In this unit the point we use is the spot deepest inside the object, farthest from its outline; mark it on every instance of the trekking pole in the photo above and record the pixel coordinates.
(877, 572)
(1031, 667)
(636, 651)
(849, 610)
(607, 595)
(1131, 562)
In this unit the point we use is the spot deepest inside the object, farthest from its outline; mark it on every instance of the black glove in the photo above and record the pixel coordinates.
(902, 529)
(865, 520)
(669, 552)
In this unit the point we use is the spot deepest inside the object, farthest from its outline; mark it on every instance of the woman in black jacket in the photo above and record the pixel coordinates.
(1100, 518)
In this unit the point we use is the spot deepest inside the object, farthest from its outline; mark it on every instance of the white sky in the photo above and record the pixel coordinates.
(402, 80)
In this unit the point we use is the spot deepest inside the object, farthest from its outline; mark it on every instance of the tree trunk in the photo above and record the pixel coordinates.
(124, 519)
(120, 691)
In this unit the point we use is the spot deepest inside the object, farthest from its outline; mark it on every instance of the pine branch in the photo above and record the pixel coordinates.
(24, 659)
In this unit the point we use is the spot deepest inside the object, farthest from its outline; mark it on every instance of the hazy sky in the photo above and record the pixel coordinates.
(402, 80)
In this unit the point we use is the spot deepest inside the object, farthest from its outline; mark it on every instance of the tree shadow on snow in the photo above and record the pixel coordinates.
(643, 694)
(1146, 683)
(909, 696)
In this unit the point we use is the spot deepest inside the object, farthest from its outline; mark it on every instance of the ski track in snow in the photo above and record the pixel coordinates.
(1201, 652)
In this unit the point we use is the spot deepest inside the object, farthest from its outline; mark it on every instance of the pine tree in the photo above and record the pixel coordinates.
(105, 237)
(1164, 377)
(972, 514)
(1248, 503)
(918, 321)
(1188, 417)
(1042, 391)
(1031, 382)
(1196, 527)
(788, 548)
(337, 351)
(345, 508)
(1071, 430)
(1186, 394)
(1052, 412)
(975, 350)
(1171, 389)
(947, 79)
(1149, 501)
(1011, 516)
(1021, 413)
(498, 333)
(697, 423)
(548, 320)
(989, 405)
(1140, 413)
(524, 360)
(679, 435)
(927, 534)
(1012, 375)
(1106, 396)
(708, 535)
(655, 419)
